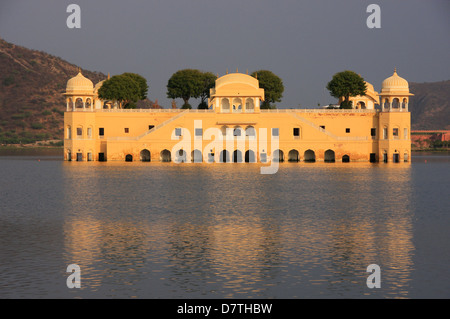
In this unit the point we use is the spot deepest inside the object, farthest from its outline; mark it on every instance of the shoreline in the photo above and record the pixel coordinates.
(434, 150)
(47, 150)
(31, 151)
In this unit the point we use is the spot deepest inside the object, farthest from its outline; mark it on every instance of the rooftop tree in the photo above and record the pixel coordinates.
(125, 89)
(346, 84)
(209, 81)
(185, 84)
(272, 85)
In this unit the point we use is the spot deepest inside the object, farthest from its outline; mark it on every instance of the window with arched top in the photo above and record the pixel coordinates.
(237, 131)
(79, 103)
(361, 105)
(249, 105)
(225, 105)
(395, 103)
(250, 132)
(404, 103)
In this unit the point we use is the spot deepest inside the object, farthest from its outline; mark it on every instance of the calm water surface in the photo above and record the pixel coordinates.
(163, 230)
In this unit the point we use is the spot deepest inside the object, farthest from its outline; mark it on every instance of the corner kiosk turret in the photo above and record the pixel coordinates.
(394, 120)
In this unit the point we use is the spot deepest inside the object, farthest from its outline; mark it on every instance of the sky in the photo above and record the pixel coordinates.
(303, 42)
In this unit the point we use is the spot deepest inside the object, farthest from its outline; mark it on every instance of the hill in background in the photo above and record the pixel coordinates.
(430, 105)
(31, 85)
(32, 105)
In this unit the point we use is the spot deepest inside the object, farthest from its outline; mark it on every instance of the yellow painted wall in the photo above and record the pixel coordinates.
(357, 144)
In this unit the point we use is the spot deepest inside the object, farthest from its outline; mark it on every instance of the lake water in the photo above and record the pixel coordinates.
(166, 230)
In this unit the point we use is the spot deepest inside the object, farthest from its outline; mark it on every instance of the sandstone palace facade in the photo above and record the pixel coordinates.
(235, 129)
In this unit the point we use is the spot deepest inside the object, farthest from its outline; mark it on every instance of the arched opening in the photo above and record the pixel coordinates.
(250, 157)
(404, 103)
(128, 158)
(69, 132)
(69, 155)
(79, 103)
(225, 157)
(278, 156)
(329, 156)
(249, 105)
(180, 156)
(165, 156)
(293, 156)
(144, 155)
(386, 103)
(310, 156)
(237, 156)
(396, 158)
(385, 157)
(237, 131)
(88, 102)
(250, 132)
(395, 103)
(225, 105)
(361, 105)
(237, 105)
(345, 159)
(196, 156)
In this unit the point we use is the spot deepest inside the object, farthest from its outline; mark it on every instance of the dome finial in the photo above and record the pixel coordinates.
(395, 70)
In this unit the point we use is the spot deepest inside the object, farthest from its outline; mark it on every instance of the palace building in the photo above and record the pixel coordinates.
(235, 129)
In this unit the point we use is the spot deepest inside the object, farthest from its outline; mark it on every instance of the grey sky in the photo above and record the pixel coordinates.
(303, 42)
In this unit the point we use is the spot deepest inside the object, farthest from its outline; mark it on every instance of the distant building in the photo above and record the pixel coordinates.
(235, 129)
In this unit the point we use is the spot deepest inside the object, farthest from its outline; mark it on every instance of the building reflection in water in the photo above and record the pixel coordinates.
(224, 230)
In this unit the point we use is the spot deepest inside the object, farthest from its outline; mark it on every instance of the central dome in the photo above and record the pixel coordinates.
(237, 84)
(240, 78)
(79, 84)
(394, 83)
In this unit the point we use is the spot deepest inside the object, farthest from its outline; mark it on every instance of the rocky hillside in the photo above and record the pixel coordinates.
(430, 105)
(31, 87)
